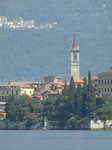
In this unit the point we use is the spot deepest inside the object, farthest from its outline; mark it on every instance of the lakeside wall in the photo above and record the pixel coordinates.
(96, 124)
(87, 125)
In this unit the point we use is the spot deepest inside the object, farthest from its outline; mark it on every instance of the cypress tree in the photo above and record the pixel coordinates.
(84, 102)
(65, 90)
(91, 99)
(89, 81)
(78, 100)
(71, 95)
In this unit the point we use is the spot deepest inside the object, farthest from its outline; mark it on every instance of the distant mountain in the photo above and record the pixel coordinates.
(30, 54)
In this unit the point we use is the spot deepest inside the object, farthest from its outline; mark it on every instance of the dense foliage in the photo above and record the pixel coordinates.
(74, 106)
(71, 108)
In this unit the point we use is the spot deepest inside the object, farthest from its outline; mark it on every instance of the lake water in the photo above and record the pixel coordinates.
(55, 140)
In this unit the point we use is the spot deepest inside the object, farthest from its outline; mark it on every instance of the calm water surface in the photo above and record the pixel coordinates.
(55, 140)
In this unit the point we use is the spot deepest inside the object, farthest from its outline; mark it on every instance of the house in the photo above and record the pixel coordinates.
(6, 90)
(51, 87)
(49, 94)
(2, 114)
(2, 105)
(105, 83)
(17, 89)
(37, 95)
(55, 79)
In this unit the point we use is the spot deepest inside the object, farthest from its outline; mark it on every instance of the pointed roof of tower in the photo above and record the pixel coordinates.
(75, 41)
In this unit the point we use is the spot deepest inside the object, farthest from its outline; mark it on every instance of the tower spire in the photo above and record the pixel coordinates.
(75, 41)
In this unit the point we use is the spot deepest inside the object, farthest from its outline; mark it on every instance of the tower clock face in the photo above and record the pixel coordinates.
(75, 56)
(74, 69)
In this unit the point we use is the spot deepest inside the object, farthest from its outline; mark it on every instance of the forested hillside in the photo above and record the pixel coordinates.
(29, 54)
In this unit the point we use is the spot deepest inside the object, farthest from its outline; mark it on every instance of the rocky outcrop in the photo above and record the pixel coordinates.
(7, 124)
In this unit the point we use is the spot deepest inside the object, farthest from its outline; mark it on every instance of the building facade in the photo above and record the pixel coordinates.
(105, 83)
(16, 89)
(6, 90)
(75, 60)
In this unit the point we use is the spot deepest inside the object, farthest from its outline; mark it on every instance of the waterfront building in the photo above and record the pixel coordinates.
(16, 89)
(2, 114)
(55, 79)
(105, 83)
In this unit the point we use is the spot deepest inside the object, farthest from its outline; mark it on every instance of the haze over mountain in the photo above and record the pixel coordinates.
(30, 54)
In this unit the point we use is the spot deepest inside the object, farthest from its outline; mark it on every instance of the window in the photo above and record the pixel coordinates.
(105, 90)
(102, 81)
(108, 90)
(99, 90)
(111, 89)
(30, 92)
(7, 92)
(105, 81)
(108, 81)
(99, 81)
(111, 81)
(24, 92)
(3, 92)
(16, 92)
(12, 92)
(102, 89)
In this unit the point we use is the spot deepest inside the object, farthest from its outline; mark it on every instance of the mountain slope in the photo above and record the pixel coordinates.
(32, 54)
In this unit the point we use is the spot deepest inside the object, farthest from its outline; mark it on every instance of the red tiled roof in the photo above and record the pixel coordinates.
(79, 80)
(75, 42)
(20, 83)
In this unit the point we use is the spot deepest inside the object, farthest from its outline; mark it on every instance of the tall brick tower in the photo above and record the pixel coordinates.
(75, 59)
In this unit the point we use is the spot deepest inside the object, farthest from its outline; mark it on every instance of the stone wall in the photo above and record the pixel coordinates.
(96, 124)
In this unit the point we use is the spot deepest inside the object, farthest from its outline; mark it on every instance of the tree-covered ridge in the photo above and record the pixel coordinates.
(25, 54)
(74, 106)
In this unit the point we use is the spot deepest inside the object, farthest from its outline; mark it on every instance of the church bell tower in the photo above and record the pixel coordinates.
(75, 59)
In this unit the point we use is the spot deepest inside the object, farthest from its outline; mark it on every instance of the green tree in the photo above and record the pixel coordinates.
(78, 100)
(73, 123)
(91, 98)
(84, 102)
(31, 119)
(65, 90)
(71, 95)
